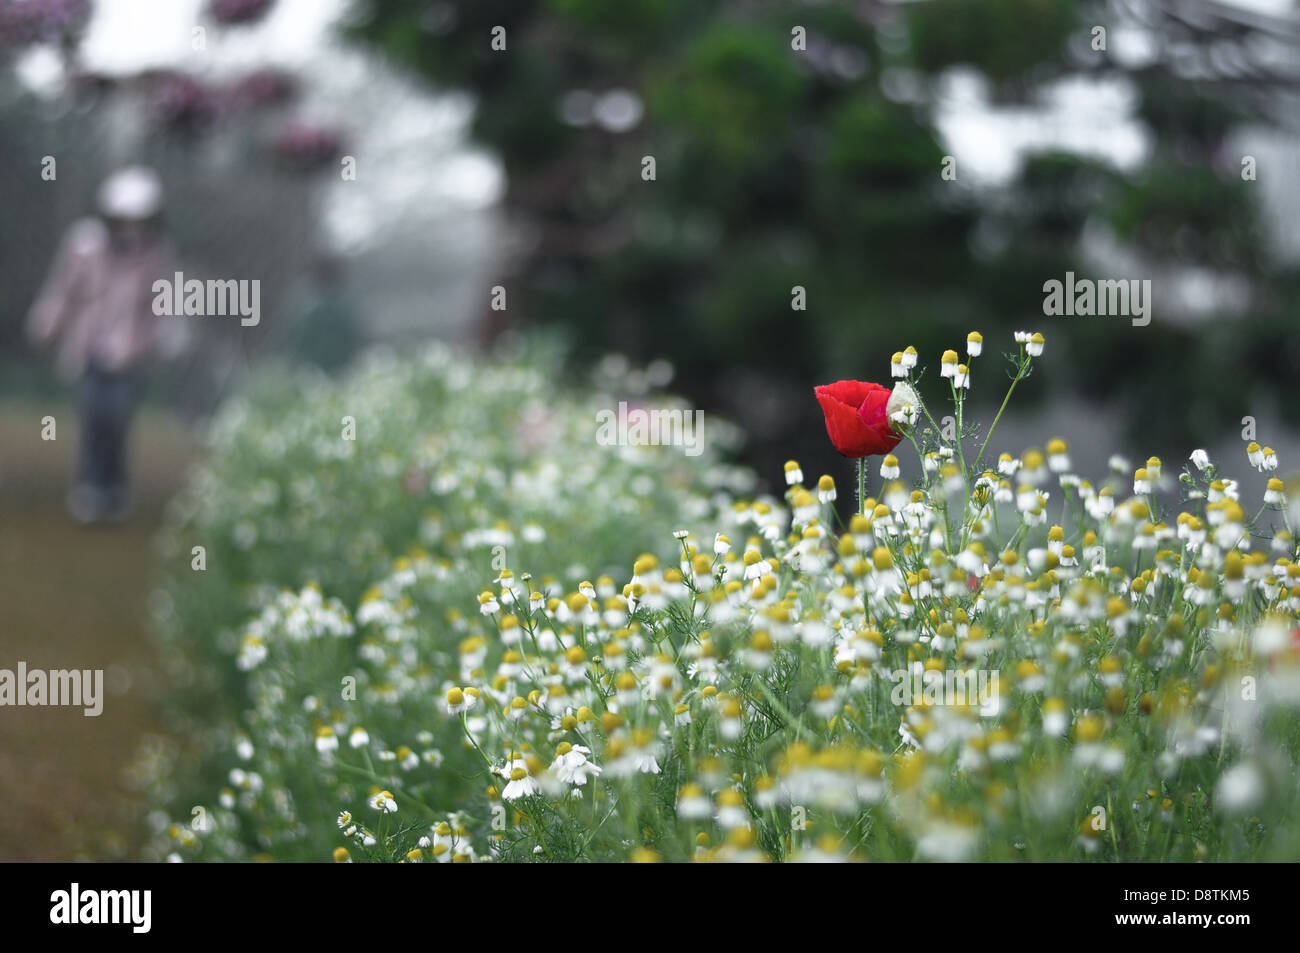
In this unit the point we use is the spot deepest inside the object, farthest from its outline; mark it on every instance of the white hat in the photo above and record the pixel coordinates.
(133, 193)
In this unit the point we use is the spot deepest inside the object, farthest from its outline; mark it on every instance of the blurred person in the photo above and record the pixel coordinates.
(98, 302)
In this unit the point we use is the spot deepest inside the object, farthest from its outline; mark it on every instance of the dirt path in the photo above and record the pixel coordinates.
(75, 597)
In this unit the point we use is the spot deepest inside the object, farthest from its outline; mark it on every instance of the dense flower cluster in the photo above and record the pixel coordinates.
(453, 468)
(987, 662)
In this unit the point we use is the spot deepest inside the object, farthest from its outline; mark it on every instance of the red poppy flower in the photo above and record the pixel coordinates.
(855, 417)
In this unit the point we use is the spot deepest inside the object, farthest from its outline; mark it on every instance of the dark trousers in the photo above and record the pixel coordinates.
(107, 399)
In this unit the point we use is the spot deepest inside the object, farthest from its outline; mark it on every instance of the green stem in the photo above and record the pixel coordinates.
(1110, 821)
(862, 483)
(1006, 400)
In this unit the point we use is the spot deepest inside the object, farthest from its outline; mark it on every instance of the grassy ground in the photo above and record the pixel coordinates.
(76, 597)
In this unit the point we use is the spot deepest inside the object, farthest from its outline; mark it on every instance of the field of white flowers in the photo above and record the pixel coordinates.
(474, 634)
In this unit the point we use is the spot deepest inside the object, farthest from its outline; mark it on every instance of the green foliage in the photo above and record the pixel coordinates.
(952, 674)
(731, 89)
(1002, 38)
(467, 465)
(779, 167)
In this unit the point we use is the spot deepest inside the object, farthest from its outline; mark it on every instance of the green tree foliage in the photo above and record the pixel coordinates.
(779, 166)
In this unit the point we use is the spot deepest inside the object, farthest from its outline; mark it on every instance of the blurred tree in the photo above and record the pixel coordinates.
(780, 160)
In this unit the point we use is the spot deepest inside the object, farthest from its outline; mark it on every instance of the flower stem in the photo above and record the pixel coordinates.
(1019, 374)
(862, 482)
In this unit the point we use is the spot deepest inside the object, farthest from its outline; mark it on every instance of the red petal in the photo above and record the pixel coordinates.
(852, 393)
(845, 428)
(882, 437)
